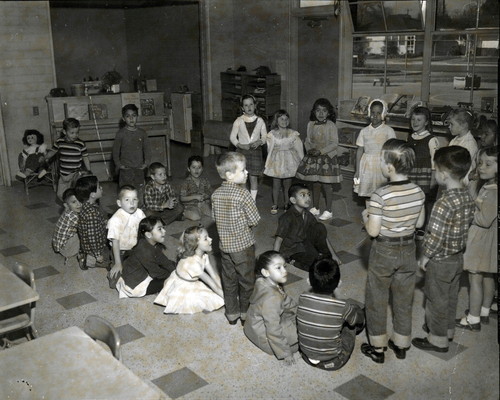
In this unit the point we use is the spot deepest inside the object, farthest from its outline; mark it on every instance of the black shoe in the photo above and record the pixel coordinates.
(233, 322)
(423, 344)
(468, 326)
(425, 328)
(370, 352)
(82, 261)
(399, 351)
(242, 322)
(484, 320)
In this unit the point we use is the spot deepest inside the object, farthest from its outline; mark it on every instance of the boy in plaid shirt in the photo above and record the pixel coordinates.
(443, 247)
(65, 240)
(92, 224)
(159, 197)
(235, 213)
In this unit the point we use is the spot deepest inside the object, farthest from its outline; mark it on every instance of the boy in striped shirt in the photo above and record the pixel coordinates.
(393, 213)
(327, 327)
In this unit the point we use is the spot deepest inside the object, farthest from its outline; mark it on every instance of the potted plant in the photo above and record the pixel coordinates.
(111, 81)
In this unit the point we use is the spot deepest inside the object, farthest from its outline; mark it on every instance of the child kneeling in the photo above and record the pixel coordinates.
(327, 326)
(270, 322)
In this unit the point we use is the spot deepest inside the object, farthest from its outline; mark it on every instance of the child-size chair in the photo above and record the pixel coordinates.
(49, 179)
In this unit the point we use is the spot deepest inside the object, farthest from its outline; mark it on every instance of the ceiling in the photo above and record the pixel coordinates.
(124, 4)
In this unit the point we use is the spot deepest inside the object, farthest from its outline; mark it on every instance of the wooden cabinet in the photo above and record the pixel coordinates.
(99, 117)
(186, 115)
(266, 89)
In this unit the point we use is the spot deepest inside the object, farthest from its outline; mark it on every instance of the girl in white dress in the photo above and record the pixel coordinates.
(284, 153)
(195, 286)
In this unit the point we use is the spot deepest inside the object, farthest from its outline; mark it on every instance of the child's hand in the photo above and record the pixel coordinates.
(170, 203)
(199, 197)
(314, 152)
(243, 146)
(289, 360)
(117, 269)
(256, 144)
(364, 215)
(422, 262)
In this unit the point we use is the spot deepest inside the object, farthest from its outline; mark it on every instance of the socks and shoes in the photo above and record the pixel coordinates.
(469, 323)
(234, 322)
(399, 351)
(314, 211)
(424, 344)
(425, 328)
(274, 209)
(42, 173)
(326, 216)
(371, 352)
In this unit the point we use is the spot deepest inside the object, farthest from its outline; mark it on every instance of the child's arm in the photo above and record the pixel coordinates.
(439, 220)
(373, 223)
(118, 267)
(233, 137)
(117, 145)
(86, 161)
(421, 218)
(486, 210)
(209, 267)
(277, 243)
(262, 134)
(211, 284)
(185, 198)
(299, 146)
(359, 154)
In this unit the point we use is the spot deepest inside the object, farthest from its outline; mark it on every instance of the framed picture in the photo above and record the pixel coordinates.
(361, 106)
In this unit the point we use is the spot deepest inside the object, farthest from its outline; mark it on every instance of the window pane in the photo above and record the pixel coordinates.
(464, 14)
(367, 16)
(486, 67)
(403, 15)
(488, 14)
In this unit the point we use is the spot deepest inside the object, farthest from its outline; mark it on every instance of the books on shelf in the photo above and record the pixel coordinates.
(148, 107)
(98, 111)
(401, 105)
(361, 105)
(79, 111)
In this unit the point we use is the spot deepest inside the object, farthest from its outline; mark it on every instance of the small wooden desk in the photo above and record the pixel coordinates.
(13, 291)
(68, 364)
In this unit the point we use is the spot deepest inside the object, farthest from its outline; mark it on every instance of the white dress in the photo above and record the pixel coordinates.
(184, 293)
(285, 152)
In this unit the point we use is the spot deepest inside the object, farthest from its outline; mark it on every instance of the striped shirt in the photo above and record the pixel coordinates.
(70, 155)
(320, 319)
(449, 224)
(399, 204)
(234, 212)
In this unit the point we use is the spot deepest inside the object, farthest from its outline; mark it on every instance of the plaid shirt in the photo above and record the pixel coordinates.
(234, 212)
(92, 229)
(66, 227)
(449, 224)
(155, 195)
(190, 187)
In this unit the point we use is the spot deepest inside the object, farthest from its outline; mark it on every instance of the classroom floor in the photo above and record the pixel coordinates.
(201, 356)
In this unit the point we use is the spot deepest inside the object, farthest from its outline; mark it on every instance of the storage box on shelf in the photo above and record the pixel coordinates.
(99, 117)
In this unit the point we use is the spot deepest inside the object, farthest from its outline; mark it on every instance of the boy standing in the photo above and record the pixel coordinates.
(327, 326)
(393, 213)
(131, 151)
(65, 240)
(443, 247)
(123, 226)
(159, 197)
(300, 238)
(91, 224)
(235, 213)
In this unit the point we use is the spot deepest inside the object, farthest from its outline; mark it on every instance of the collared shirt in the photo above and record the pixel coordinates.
(92, 229)
(449, 224)
(70, 155)
(124, 227)
(66, 227)
(191, 187)
(155, 195)
(234, 212)
(292, 228)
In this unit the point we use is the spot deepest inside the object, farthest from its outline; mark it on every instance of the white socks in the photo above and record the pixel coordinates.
(485, 311)
(254, 194)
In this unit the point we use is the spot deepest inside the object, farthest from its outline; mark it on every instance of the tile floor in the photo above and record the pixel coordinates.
(202, 357)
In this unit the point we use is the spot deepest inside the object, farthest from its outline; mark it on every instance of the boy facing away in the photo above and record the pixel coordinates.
(299, 236)
(235, 213)
(443, 248)
(65, 240)
(327, 326)
(393, 213)
(159, 197)
(123, 226)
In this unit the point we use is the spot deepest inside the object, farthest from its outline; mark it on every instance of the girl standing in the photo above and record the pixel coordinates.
(270, 323)
(248, 135)
(183, 292)
(460, 123)
(147, 267)
(320, 164)
(284, 153)
(370, 141)
(480, 257)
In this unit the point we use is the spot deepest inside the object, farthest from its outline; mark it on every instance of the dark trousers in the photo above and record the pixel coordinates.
(314, 244)
(167, 215)
(134, 177)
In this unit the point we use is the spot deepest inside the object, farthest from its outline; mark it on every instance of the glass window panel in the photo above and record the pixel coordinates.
(488, 14)
(316, 3)
(486, 67)
(464, 14)
(367, 16)
(403, 15)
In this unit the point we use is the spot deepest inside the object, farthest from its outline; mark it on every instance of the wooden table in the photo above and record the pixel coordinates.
(13, 291)
(68, 364)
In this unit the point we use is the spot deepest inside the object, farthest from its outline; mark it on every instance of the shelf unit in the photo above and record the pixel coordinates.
(266, 89)
(99, 134)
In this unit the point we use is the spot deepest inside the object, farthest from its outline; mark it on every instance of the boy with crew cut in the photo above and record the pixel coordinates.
(393, 213)
(327, 326)
(443, 248)
(65, 240)
(235, 213)
(300, 238)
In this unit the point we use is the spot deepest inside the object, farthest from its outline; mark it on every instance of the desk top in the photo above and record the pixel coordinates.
(13, 291)
(68, 364)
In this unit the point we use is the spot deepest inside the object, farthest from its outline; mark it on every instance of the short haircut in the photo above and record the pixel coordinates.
(400, 155)
(69, 123)
(227, 162)
(455, 160)
(125, 188)
(67, 194)
(426, 113)
(28, 132)
(323, 103)
(463, 117)
(155, 167)
(147, 224)
(85, 186)
(294, 189)
(195, 158)
(278, 114)
(128, 107)
(264, 260)
(324, 276)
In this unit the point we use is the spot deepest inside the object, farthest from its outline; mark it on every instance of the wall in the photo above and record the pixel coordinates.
(88, 42)
(26, 71)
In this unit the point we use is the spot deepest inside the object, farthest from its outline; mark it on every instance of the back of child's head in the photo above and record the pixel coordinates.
(424, 111)
(128, 107)
(278, 114)
(67, 194)
(463, 117)
(294, 189)
(264, 260)
(324, 276)
(189, 241)
(155, 167)
(455, 160)
(29, 132)
(70, 123)
(400, 155)
(124, 189)
(322, 102)
(147, 224)
(195, 158)
(228, 162)
(84, 186)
